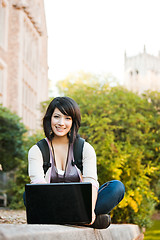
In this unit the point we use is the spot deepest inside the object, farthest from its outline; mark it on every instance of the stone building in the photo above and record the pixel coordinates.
(23, 58)
(142, 72)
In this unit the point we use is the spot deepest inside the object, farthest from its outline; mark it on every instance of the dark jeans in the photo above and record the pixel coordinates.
(24, 198)
(109, 195)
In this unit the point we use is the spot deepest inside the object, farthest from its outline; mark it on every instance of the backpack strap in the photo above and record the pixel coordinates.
(77, 152)
(43, 145)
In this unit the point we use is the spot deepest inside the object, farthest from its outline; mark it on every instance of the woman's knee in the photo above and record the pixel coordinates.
(119, 188)
(109, 195)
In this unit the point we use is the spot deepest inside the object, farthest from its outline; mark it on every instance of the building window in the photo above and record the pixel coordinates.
(30, 48)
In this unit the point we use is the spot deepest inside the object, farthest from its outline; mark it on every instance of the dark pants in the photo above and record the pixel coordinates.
(109, 195)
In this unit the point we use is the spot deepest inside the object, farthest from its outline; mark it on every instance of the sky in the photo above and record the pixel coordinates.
(93, 35)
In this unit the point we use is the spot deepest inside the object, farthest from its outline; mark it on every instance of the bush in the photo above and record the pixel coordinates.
(16, 186)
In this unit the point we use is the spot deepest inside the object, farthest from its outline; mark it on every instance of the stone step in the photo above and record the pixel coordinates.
(61, 232)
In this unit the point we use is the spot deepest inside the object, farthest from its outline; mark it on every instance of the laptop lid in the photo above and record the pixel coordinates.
(59, 203)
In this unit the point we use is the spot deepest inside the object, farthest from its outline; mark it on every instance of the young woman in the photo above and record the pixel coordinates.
(61, 123)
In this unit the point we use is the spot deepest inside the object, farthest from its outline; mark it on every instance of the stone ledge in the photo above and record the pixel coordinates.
(61, 232)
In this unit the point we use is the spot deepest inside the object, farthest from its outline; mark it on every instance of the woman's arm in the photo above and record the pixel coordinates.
(35, 165)
(94, 199)
(90, 173)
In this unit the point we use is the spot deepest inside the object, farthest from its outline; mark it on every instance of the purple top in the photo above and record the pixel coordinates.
(71, 173)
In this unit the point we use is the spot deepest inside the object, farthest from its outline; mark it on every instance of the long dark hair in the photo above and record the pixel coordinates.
(68, 107)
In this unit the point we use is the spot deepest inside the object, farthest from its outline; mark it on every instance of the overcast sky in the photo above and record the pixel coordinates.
(92, 35)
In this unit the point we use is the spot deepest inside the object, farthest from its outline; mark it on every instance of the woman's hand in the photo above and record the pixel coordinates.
(93, 219)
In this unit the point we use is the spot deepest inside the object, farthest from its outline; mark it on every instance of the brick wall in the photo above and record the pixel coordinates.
(25, 60)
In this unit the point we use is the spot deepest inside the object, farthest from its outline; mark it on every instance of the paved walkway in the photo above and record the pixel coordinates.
(12, 216)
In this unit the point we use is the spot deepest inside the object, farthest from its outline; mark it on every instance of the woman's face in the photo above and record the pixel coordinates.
(60, 123)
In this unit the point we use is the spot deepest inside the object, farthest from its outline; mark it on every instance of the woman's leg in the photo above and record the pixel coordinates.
(24, 199)
(109, 195)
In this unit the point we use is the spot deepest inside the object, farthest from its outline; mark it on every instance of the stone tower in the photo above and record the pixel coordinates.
(142, 72)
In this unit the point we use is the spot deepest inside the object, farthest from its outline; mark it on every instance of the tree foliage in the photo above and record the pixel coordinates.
(11, 139)
(124, 128)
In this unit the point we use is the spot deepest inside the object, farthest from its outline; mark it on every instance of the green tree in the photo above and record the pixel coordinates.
(14, 146)
(123, 128)
(11, 139)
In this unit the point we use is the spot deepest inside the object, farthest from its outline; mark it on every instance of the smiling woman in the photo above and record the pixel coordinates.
(61, 124)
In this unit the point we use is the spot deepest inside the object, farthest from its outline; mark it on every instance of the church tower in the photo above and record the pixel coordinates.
(142, 72)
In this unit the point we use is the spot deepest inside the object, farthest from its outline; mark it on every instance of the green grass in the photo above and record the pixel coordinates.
(153, 233)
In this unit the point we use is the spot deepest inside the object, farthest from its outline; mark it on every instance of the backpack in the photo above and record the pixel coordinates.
(77, 152)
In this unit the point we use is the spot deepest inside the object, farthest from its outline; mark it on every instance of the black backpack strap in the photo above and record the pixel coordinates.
(77, 152)
(43, 145)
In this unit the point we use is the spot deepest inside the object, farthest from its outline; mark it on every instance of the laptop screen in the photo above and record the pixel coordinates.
(59, 203)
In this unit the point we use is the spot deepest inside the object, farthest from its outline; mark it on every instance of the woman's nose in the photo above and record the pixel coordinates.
(61, 121)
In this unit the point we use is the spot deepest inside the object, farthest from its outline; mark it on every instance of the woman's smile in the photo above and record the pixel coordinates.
(60, 129)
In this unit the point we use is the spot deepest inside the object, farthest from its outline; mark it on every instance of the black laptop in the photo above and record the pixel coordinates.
(59, 203)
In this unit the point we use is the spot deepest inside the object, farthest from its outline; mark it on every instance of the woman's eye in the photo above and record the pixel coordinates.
(56, 116)
(68, 118)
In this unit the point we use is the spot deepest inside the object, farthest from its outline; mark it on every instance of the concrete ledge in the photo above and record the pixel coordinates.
(61, 232)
